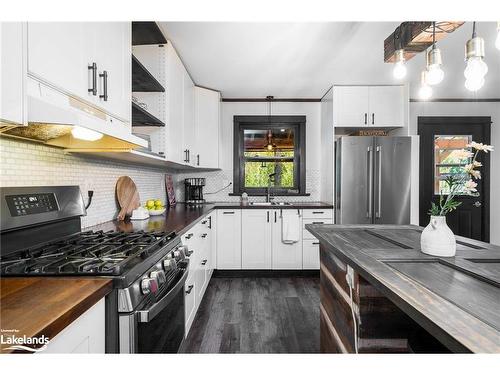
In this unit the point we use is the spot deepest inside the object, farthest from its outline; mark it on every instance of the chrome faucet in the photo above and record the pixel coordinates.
(268, 190)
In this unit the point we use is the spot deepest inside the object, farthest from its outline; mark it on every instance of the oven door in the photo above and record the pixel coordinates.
(158, 327)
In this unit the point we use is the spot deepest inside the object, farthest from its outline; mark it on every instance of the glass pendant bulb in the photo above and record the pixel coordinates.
(476, 68)
(85, 134)
(435, 73)
(399, 70)
(474, 84)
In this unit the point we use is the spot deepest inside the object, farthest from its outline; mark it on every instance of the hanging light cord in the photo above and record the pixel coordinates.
(434, 35)
(473, 29)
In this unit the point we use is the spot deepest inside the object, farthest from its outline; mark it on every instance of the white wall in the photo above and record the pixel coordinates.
(218, 179)
(467, 109)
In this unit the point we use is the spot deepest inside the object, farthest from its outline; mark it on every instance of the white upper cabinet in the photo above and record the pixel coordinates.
(350, 105)
(207, 109)
(386, 105)
(365, 106)
(76, 57)
(175, 152)
(189, 129)
(256, 239)
(13, 73)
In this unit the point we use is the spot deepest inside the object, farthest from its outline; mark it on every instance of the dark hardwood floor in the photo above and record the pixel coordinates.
(257, 315)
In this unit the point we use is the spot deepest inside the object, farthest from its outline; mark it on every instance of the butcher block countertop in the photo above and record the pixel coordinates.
(456, 299)
(35, 306)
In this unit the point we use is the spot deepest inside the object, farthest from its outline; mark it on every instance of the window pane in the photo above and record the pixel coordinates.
(449, 160)
(262, 140)
(257, 174)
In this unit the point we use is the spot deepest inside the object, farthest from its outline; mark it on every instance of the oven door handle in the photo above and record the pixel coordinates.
(145, 316)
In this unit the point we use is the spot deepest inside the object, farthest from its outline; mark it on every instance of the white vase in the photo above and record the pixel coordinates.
(437, 238)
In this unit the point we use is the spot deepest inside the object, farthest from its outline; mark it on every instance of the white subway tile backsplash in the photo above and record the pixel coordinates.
(30, 164)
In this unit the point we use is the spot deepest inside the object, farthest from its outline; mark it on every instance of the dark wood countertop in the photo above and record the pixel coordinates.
(182, 217)
(456, 299)
(36, 306)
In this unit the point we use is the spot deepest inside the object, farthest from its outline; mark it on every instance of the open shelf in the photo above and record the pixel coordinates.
(142, 79)
(147, 33)
(141, 117)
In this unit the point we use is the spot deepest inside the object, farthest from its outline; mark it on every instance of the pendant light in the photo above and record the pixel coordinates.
(497, 42)
(399, 71)
(476, 68)
(270, 145)
(434, 73)
(425, 91)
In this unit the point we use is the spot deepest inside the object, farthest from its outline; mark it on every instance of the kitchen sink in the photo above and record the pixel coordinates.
(270, 203)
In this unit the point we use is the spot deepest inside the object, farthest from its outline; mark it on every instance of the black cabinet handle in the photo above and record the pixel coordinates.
(228, 212)
(318, 212)
(189, 155)
(198, 159)
(188, 236)
(93, 89)
(275, 216)
(373, 118)
(366, 118)
(189, 253)
(315, 243)
(104, 77)
(204, 262)
(210, 222)
(185, 156)
(189, 289)
(268, 216)
(318, 222)
(204, 235)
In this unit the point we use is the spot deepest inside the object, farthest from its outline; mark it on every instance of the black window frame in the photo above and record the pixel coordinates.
(269, 122)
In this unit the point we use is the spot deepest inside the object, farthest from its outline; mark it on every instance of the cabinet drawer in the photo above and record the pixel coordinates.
(318, 213)
(310, 255)
(306, 235)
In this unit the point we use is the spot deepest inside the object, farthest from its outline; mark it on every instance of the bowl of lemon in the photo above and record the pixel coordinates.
(155, 207)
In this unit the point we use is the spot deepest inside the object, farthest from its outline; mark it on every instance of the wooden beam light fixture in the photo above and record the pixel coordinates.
(415, 37)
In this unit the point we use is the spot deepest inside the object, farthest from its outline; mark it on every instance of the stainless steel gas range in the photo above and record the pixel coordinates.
(41, 235)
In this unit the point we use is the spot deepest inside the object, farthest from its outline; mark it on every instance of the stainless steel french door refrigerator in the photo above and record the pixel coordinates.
(372, 180)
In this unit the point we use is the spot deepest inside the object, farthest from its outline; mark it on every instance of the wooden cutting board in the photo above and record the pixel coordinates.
(127, 195)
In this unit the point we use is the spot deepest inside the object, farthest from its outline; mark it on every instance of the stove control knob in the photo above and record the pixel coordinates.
(159, 276)
(169, 264)
(177, 254)
(183, 249)
(149, 285)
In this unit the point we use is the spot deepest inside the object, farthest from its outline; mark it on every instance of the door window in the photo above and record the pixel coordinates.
(449, 159)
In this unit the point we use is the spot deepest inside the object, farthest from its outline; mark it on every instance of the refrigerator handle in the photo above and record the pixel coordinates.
(369, 184)
(378, 212)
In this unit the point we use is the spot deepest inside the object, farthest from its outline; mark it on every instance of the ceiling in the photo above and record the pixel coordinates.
(302, 60)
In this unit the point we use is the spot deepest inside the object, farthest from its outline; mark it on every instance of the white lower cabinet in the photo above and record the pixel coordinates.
(85, 335)
(256, 239)
(310, 255)
(189, 302)
(285, 255)
(228, 239)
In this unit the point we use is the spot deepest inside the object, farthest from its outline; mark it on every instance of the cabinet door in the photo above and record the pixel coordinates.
(189, 132)
(228, 239)
(189, 302)
(175, 110)
(285, 256)
(84, 335)
(256, 239)
(60, 53)
(350, 106)
(310, 255)
(207, 104)
(386, 105)
(113, 49)
(13, 73)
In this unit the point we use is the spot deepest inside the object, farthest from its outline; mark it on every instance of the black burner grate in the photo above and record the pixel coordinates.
(94, 253)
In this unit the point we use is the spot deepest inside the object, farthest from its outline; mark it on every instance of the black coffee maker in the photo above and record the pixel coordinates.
(193, 190)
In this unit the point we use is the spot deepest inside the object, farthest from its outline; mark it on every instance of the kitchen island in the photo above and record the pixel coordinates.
(402, 300)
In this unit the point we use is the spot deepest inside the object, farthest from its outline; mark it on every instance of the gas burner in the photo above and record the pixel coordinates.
(86, 253)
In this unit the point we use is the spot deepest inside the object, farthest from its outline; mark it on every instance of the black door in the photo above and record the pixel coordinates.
(440, 138)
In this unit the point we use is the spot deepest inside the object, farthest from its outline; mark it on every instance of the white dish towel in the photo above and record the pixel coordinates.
(290, 226)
